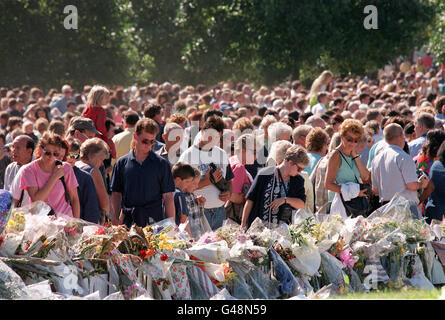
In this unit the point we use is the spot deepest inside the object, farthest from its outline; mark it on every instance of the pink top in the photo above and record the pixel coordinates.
(34, 176)
(241, 175)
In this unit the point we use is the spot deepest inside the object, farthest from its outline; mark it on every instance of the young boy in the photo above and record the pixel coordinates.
(198, 224)
(183, 175)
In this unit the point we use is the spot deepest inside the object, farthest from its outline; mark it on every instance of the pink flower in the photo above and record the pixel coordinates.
(347, 258)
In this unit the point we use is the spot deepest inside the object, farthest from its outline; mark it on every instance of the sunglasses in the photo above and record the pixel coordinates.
(74, 155)
(148, 142)
(349, 139)
(49, 154)
(299, 168)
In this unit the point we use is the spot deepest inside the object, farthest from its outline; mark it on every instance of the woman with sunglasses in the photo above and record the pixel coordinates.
(344, 164)
(53, 183)
(93, 152)
(275, 187)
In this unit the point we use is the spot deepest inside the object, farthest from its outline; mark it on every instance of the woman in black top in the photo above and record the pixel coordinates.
(274, 187)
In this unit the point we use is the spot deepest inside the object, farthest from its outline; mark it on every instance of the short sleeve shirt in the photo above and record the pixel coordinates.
(141, 183)
(241, 176)
(34, 176)
(201, 159)
(180, 205)
(391, 170)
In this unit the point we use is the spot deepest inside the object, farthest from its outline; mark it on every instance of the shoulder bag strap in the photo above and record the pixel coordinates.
(350, 166)
(22, 194)
(282, 182)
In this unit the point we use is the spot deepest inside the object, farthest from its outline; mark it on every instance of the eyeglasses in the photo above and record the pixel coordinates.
(299, 168)
(49, 154)
(349, 139)
(148, 142)
(74, 155)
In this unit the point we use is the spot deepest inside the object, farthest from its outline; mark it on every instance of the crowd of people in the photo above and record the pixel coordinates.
(202, 154)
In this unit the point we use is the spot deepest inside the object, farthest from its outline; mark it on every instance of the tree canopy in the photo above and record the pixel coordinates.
(205, 41)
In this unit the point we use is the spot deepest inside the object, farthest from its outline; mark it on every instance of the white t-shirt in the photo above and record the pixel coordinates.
(201, 159)
(319, 108)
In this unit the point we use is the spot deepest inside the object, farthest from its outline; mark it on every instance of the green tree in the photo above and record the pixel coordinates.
(38, 50)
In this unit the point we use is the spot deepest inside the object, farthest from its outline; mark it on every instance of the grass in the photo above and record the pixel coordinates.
(402, 294)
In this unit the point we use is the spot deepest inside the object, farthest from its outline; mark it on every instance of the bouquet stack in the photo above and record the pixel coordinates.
(44, 257)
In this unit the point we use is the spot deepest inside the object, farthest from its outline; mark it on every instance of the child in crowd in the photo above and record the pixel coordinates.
(198, 224)
(188, 206)
(183, 175)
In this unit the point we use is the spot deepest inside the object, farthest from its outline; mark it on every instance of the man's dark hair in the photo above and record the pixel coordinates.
(431, 96)
(262, 111)
(305, 116)
(152, 110)
(294, 115)
(131, 117)
(109, 123)
(209, 112)
(439, 104)
(363, 96)
(409, 128)
(337, 101)
(412, 100)
(183, 171)
(214, 122)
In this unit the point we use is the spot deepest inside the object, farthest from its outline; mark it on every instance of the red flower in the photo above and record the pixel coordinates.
(158, 282)
(79, 265)
(100, 230)
(164, 257)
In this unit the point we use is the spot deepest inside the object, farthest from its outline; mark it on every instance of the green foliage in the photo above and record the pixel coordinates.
(436, 39)
(205, 41)
(38, 50)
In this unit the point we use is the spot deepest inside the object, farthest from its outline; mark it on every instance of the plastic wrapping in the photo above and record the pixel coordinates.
(282, 273)
(201, 287)
(11, 285)
(215, 252)
(307, 259)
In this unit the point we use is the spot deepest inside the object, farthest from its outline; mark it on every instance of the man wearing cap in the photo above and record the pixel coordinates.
(81, 129)
(61, 103)
(225, 109)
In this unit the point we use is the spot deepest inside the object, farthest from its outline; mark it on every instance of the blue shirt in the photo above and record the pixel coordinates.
(416, 145)
(89, 203)
(435, 208)
(180, 205)
(61, 104)
(140, 184)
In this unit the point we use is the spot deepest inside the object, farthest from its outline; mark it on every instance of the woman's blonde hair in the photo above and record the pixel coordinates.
(95, 95)
(351, 125)
(322, 78)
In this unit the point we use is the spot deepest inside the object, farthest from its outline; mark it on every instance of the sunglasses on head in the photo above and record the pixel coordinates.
(49, 153)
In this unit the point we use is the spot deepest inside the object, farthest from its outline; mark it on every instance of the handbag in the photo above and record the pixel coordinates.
(234, 211)
(285, 210)
(359, 206)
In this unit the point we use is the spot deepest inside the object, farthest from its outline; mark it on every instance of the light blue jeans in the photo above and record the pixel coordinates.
(215, 217)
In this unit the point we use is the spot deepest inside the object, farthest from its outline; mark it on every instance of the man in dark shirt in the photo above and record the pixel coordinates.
(142, 182)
